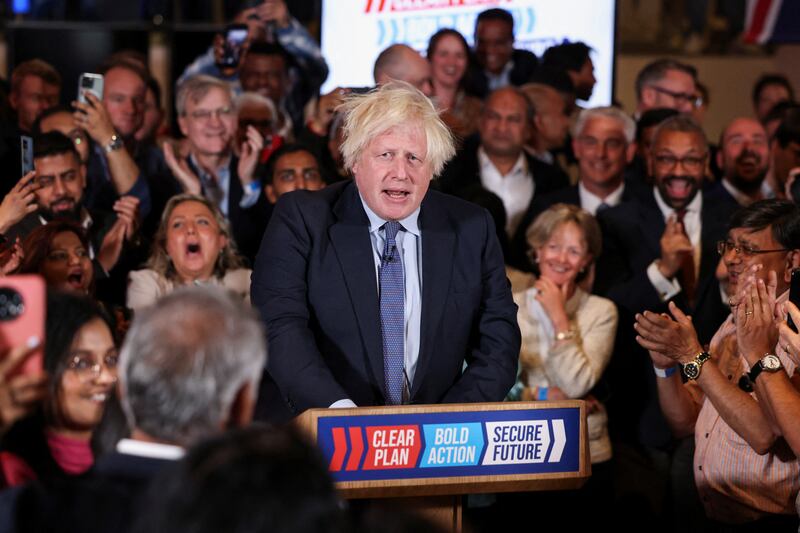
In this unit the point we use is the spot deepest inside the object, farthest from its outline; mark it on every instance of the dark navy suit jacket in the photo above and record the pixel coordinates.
(314, 283)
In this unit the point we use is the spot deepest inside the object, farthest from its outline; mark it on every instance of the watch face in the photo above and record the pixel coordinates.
(771, 363)
(692, 370)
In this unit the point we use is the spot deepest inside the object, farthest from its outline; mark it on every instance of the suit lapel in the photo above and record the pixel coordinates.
(652, 223)
(349, 236)
(710, 232)
(438, 246)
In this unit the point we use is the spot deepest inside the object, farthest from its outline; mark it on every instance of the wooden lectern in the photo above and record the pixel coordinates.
(450, 450)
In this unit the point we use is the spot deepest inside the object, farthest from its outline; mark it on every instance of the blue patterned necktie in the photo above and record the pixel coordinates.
(392, 315)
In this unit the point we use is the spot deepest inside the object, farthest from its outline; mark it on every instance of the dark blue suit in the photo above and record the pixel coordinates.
(315, 286)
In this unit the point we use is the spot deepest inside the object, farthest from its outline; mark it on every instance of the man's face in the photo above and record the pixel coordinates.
(294, 171)
(676, 90)
(584, 80)
(677, 163)
(744, 154)
(257, 115)
(64, 123)
(33, 97)
(552, 122)
(393, 172)
(494, 43)
(770, 95)
(124, 98)
(209, 123)
(153, 115)
(60, 179)
(265, 75)
(602, 152)
(748, 242)
(784, 159)
(504, 124)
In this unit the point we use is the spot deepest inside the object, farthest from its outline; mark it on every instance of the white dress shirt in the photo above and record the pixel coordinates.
(668, 288)
(409, 244)
(590, 201)
(515, 189)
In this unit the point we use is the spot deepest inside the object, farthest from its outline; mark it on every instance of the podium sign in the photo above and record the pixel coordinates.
(454, 449)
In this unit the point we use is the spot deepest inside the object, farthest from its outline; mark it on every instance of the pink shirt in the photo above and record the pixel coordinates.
(735, 483)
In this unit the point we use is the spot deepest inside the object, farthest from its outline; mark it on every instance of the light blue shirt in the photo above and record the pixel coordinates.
(409, 244)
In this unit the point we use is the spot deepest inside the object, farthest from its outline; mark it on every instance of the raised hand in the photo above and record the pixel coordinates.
(674, 338)
(180, 169)
(674, 247)
(19, 202)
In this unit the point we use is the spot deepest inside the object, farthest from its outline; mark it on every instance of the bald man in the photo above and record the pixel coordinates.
(403, 63)
(743, 157)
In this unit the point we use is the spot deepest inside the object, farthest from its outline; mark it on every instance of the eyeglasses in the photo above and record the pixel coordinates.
(205, 115)
(691, 163)
(724, 247)
(693, 99)
(86, 368)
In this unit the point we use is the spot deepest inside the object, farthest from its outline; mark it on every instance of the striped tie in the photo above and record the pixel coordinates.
(392, 315)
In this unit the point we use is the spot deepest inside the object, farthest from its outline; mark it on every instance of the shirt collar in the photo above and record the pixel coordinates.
(152, 450)
(695, 206)
(610, 200)
(85, 221)
(741, 198)
(520, 167)
(223, 167)
(410, 223)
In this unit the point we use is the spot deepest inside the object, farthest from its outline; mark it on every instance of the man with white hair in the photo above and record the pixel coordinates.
(377, 291)
(181, 382)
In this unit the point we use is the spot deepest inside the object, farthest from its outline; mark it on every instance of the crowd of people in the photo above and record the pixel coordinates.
(562, 252)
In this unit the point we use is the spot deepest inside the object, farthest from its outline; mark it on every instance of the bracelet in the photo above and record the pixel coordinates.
(541, 394)
(565, 335)
(665, 372)
(253, 187)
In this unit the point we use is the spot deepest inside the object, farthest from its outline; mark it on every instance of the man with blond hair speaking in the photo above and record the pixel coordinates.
(377, 291)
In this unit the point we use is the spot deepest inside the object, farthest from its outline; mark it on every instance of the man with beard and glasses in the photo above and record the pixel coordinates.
(659, 248)
(56, 189)
(743, 157)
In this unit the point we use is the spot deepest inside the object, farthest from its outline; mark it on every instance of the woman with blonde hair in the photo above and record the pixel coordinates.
(193, 245)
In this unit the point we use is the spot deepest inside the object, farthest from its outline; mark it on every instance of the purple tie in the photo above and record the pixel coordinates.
(392, 315)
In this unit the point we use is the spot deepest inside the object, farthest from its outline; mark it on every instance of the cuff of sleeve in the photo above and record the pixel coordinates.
(342, 404)
(665, 288)
(665, 372)
(251, 193)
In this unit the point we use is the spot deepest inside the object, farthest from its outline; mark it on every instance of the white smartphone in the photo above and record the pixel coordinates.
(92, 83)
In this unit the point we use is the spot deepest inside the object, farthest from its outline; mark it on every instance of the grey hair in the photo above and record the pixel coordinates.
(255, 99)
(615, 113)
(185, 359)
(195, 88)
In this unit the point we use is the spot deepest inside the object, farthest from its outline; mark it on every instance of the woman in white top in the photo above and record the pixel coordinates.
(193, 245)
(567, 334)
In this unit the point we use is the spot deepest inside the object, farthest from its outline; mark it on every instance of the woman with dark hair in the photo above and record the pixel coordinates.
(59, 252)
(448, 54)
(193, 245)
(80, 358)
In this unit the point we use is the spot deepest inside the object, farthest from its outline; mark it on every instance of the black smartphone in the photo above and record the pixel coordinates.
(794, 296)
(235, 36)
(91, 83)
(26, 153)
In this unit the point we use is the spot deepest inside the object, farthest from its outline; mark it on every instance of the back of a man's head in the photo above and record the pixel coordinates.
(256, 479)
(191, 366)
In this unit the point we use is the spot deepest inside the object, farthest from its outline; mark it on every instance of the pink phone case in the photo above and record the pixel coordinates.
(22, 315)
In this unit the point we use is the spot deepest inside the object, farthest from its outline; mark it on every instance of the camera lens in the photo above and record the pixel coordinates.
(11, 304)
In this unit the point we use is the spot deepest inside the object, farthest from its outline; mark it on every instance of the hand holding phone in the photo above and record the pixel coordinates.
(232, 46)
(90, 83)
(22, 315)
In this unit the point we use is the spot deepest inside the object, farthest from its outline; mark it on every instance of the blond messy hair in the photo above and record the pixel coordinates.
(393, 104)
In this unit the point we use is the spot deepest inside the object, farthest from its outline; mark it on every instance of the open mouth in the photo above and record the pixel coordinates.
(678, 187)
(396, 194)
(75, 279)
(193, 249)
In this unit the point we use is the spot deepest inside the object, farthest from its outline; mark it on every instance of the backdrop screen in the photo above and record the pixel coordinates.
(355, 31)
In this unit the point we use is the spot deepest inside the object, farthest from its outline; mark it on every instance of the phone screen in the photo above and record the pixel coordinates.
(235, 36)
(794, 296)
(26, 153)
